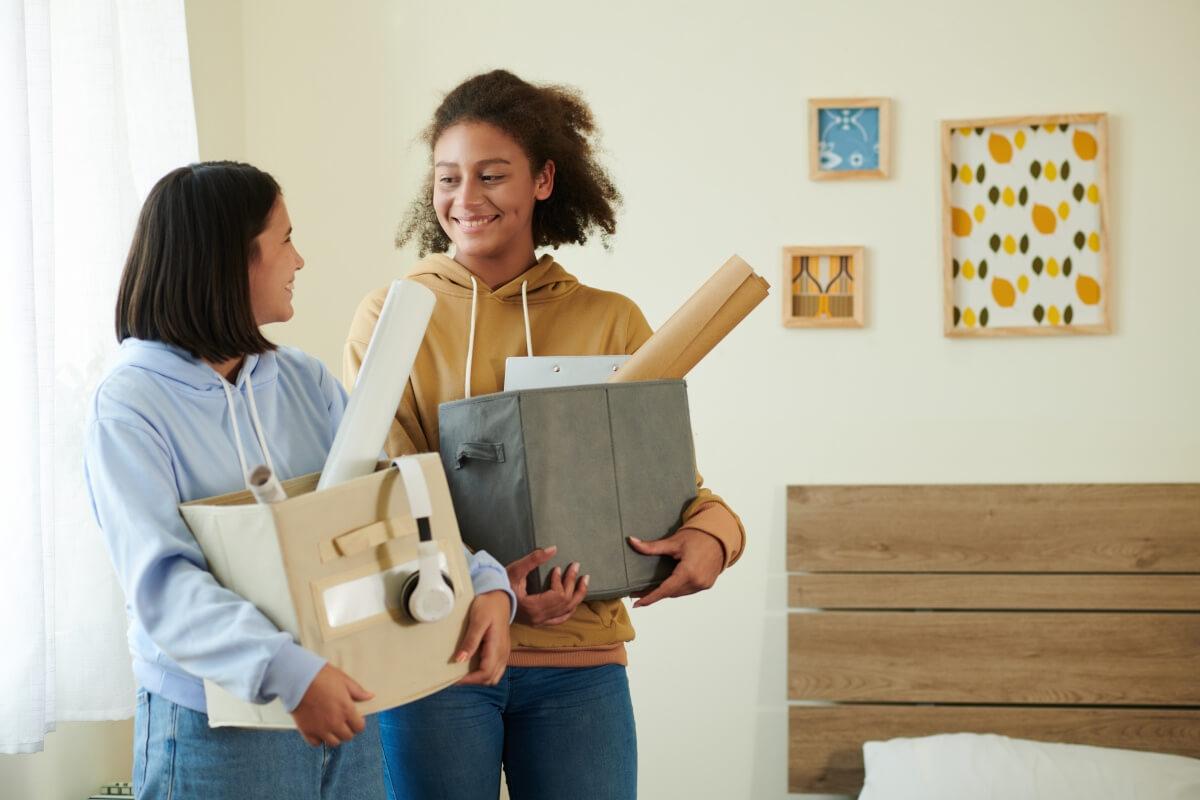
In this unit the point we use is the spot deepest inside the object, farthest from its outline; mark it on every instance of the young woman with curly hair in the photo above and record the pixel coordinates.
(513, 169)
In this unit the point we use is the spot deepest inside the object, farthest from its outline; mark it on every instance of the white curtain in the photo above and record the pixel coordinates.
(95, 105)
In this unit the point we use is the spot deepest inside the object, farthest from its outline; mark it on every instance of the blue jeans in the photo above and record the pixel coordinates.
(559, 732)
(177, 756)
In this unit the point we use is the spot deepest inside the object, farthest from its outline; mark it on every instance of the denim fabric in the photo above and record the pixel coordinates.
(559, 732)
(176, 756)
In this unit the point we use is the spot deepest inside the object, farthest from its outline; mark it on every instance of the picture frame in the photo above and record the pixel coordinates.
(824, 286)
(849, 138)
(1025, 231)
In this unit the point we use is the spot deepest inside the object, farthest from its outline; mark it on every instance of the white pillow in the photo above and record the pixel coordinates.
(968, 766)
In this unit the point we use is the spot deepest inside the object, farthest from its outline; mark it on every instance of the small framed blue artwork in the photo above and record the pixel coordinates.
(849, 138)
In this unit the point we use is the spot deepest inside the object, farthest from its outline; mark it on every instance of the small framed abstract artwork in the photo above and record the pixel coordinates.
(824, 287)
(849, 139)
(1025, 245)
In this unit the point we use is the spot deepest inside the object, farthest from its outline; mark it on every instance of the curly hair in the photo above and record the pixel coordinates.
(549, 123)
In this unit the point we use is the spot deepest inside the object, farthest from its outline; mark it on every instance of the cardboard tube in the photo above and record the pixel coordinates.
(265, 487)
(694, 330)
(386, 366)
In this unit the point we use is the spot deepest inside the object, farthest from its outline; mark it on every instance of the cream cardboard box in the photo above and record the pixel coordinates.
(327, 567)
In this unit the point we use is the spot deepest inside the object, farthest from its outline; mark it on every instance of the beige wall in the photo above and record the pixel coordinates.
(78, 759)
(703, 110)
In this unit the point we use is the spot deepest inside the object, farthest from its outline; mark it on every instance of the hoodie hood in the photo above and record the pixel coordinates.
(216, 431)
(183, 371)
(474, 331)
(545, 281)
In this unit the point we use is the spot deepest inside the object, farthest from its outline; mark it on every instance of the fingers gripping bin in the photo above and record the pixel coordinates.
(328, 567)
(580, 467)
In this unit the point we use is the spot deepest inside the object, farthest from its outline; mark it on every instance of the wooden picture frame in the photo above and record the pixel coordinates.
(868, 118)
(824, 287)
(1025, 231)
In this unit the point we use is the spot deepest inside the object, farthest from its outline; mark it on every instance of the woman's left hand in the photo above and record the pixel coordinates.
(701, 559)
(487, 634)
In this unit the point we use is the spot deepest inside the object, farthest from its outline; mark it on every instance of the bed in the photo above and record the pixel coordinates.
(1053, 613)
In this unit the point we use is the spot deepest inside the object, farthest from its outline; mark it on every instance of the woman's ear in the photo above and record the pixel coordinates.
(543, 181)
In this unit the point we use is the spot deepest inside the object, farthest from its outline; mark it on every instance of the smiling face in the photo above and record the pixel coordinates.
(273, 268)
(484, 192)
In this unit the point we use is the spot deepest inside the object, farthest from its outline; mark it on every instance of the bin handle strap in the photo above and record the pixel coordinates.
(419, 503)
(479, 451)
(420, 507)
(360, 539)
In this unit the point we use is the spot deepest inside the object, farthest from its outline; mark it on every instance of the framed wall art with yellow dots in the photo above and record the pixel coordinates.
(824, 287)
(848, 138)
(1025, 225)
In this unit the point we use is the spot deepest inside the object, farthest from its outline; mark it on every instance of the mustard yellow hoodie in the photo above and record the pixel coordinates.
(564, 318)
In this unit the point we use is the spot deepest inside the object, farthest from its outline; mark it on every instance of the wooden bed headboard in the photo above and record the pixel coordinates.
(1066, 613)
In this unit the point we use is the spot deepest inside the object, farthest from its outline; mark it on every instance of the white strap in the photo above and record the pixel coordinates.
(470, 339)
(419, 503)
(237, 436)
(258, 426)
(525, 308)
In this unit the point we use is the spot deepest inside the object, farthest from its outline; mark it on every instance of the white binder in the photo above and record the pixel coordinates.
(358, 444)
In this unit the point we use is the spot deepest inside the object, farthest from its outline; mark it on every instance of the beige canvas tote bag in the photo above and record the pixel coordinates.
(328, 567)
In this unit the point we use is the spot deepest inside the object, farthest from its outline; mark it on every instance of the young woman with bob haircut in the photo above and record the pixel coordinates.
(513, 169)
(196, 398)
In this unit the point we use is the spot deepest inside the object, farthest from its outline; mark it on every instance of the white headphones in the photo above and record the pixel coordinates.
(427, 595)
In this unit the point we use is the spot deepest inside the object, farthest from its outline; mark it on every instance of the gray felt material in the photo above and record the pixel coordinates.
(580, 467)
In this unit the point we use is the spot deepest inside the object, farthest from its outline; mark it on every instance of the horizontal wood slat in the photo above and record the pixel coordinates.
(1046, 592)
(992, 657)
(825, 743)
(1135, 528)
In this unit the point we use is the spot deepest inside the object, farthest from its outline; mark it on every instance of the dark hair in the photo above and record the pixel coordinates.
(186, 281)
(549, 123)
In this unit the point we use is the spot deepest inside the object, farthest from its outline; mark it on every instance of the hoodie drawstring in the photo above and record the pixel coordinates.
(525, 308)
(256, 424)
(471, 338)
(237, 436)
(471, 335)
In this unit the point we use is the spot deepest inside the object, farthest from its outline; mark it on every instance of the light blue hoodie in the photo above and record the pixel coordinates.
(161, 431)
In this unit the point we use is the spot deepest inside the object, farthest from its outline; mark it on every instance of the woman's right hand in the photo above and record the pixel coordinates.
(555, 604)
(327, 714)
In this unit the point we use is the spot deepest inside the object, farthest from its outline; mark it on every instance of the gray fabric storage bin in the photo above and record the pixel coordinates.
(580, 467)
